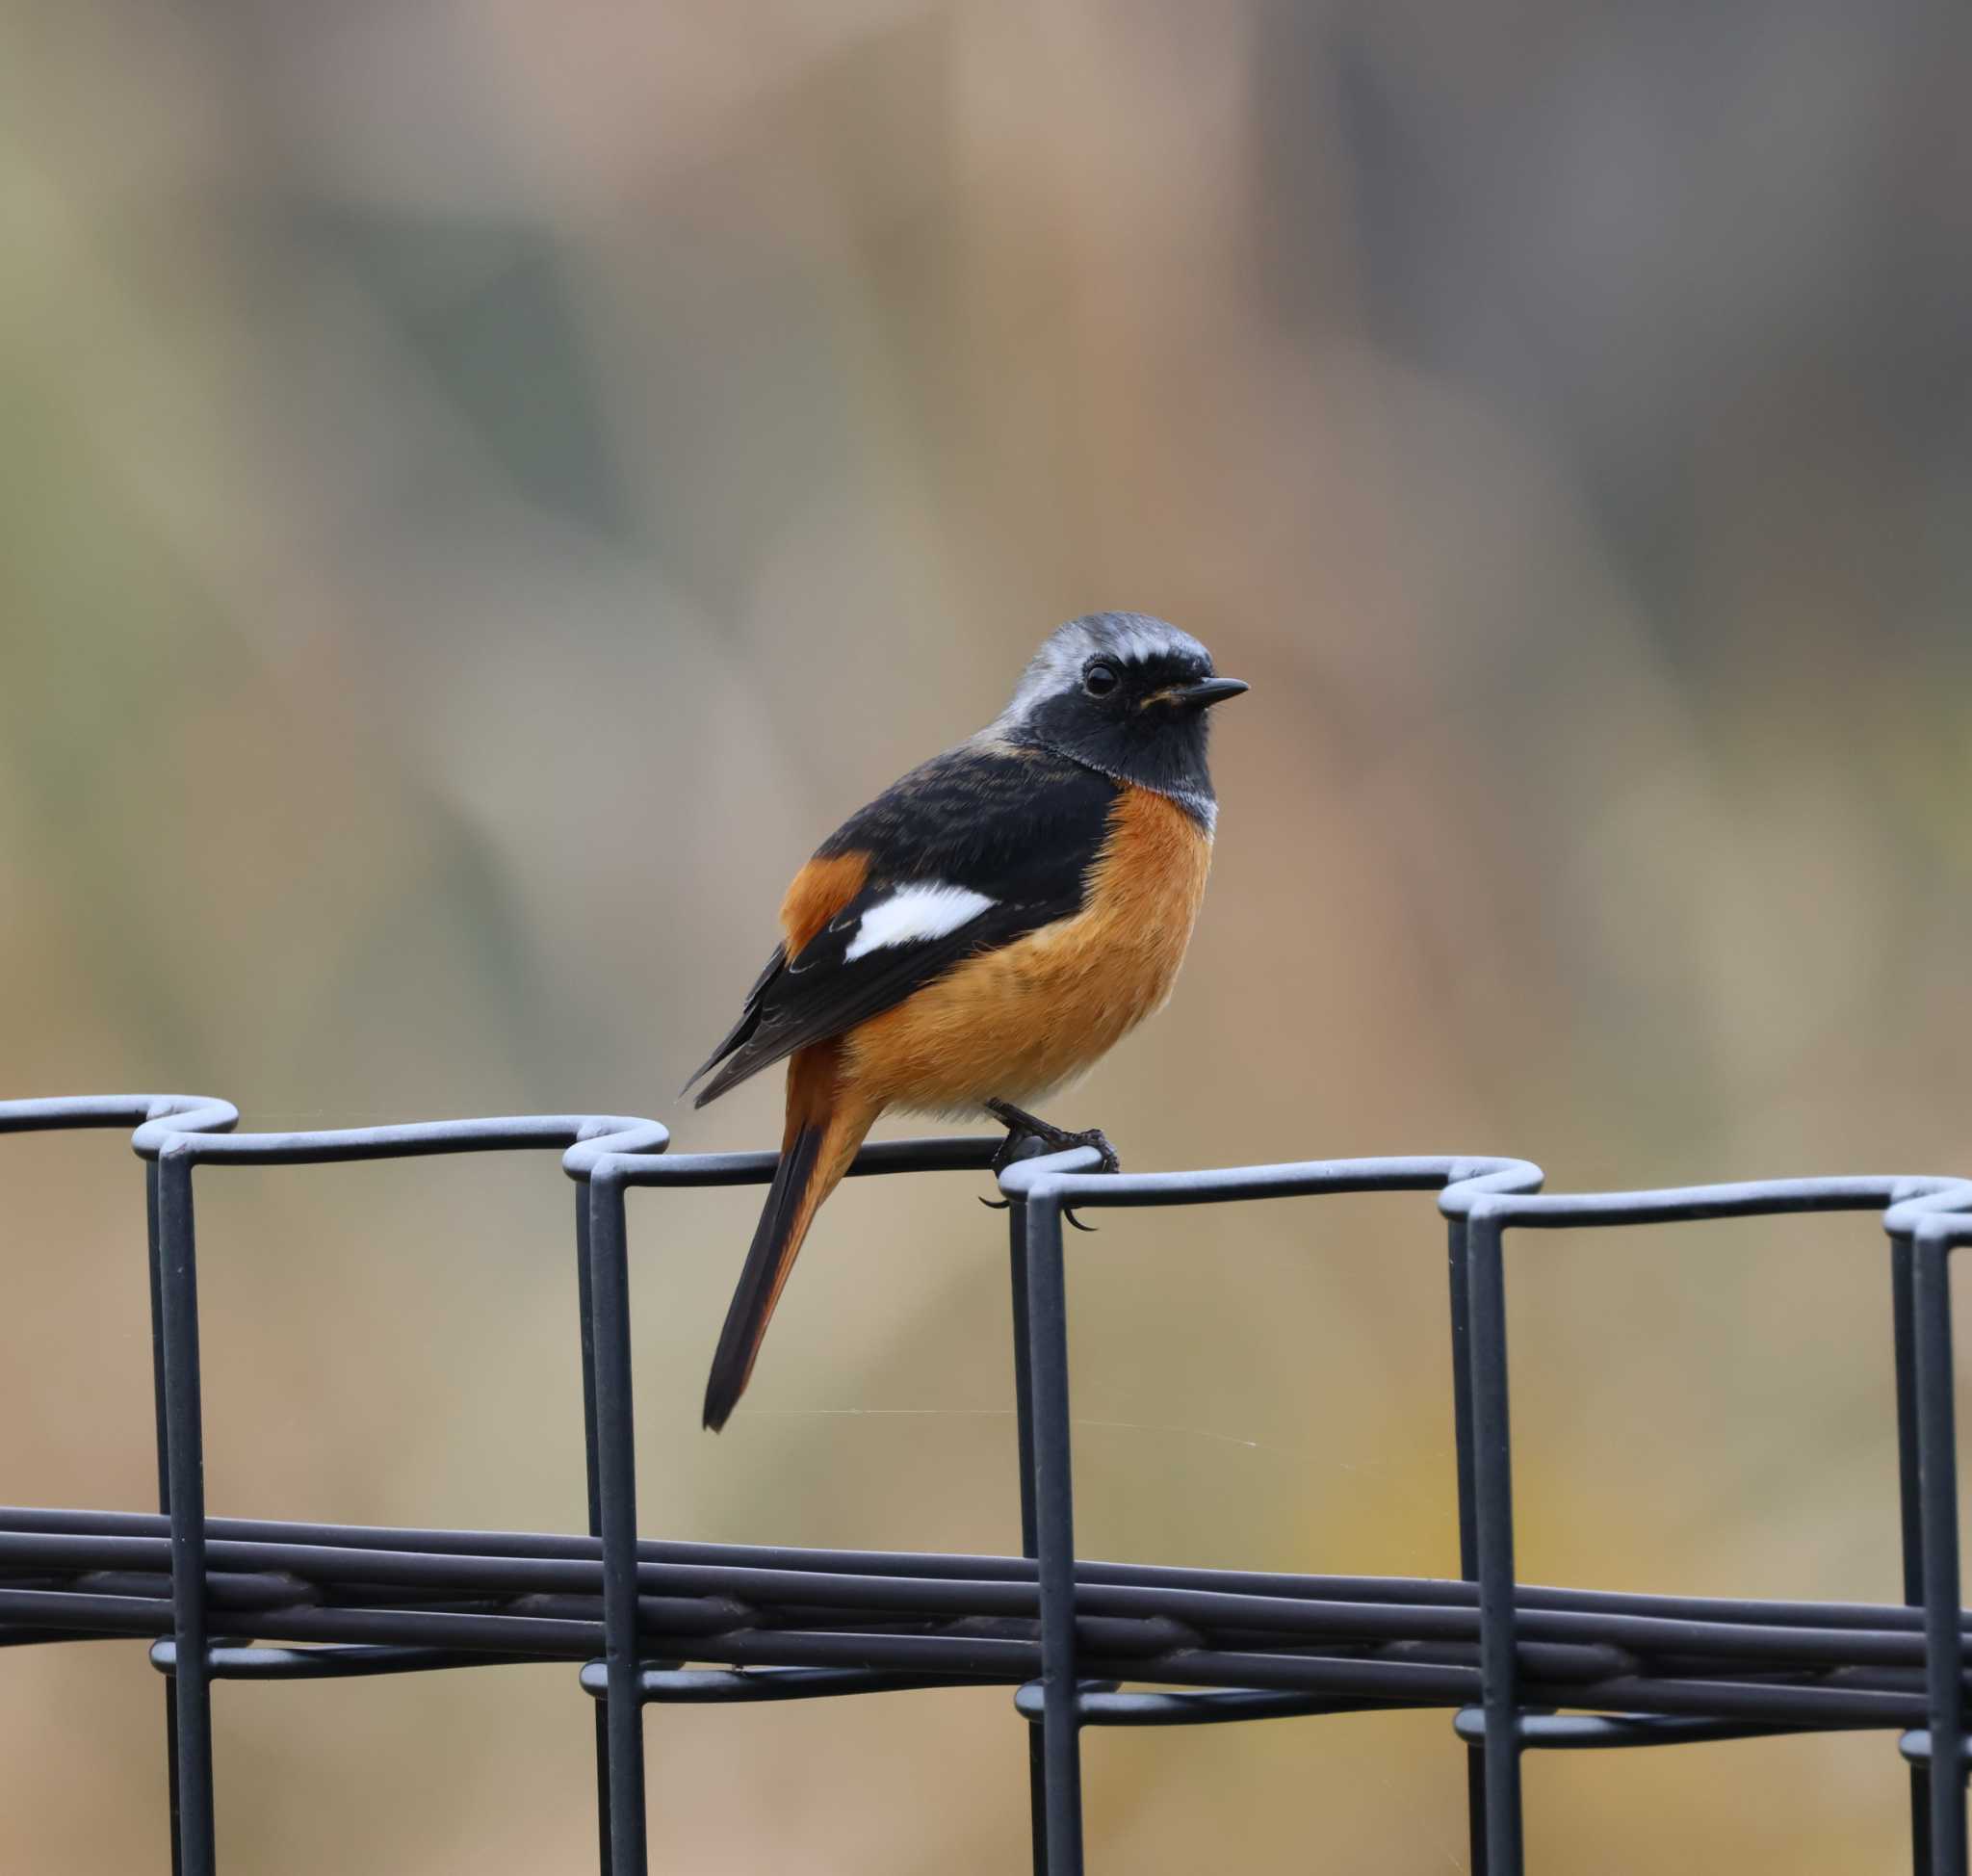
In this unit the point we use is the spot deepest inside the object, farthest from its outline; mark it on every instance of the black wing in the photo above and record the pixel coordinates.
(749, 1017)
(1019, 829)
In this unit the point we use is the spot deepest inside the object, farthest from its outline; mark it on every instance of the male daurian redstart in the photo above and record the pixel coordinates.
(983, 930)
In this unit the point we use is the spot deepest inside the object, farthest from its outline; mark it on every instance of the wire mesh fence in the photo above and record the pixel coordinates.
(1518, 1668)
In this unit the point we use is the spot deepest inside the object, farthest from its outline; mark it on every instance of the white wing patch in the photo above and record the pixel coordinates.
(914, 913)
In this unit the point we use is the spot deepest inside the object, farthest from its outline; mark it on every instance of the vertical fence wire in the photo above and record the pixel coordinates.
(779, 1623)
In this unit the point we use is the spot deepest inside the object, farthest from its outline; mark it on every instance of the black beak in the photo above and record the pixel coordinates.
(1214, 689)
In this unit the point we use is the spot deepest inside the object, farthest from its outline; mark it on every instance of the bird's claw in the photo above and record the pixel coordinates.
(1003, 1159)
(1006, 1205)
(1022, 1126)
(1095, 1136)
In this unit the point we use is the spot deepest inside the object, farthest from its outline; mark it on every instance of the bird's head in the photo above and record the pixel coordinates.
(1127, 694)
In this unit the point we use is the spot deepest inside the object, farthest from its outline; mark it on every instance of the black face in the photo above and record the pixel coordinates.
(1142, 720)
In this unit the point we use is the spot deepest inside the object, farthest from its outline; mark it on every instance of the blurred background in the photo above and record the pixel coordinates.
(489, 485)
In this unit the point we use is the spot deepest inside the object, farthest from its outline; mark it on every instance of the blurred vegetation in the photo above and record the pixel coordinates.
(485, 487)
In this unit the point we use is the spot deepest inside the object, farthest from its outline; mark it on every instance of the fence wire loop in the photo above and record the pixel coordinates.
(1517, 1667)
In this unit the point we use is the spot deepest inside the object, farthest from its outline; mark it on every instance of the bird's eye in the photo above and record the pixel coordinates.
(1100, 679)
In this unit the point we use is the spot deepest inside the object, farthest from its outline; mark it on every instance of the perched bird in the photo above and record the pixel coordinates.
(983, 930)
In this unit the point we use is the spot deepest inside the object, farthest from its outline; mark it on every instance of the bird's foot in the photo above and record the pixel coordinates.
(1022, 1126)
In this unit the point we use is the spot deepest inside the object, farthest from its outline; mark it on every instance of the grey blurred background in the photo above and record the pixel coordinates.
(487, 486)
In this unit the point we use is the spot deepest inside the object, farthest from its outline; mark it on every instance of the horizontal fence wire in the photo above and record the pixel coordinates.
(1518, 1667)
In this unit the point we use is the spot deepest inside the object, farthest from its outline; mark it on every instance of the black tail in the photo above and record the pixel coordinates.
(791, 1203)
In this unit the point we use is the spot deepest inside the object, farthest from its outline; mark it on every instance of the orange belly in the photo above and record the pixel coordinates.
(1014, 1022)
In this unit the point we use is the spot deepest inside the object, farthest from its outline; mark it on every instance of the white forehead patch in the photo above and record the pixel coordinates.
(912, 914)
(1134, 638)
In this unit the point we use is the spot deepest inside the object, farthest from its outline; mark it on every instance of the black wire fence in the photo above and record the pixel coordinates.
(1518, 1668)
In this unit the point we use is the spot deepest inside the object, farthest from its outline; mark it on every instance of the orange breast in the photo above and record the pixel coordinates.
(1019, 1021)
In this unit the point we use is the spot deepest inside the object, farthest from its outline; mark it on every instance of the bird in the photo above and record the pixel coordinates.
(982, 932)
